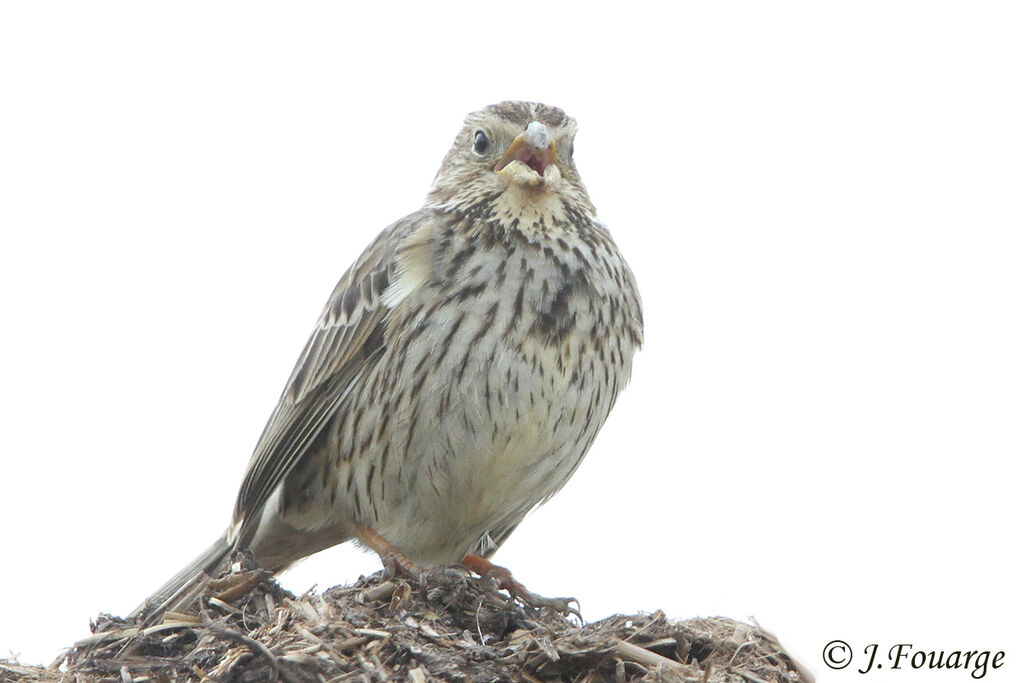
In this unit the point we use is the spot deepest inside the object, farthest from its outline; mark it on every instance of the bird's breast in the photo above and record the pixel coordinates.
(499, 369)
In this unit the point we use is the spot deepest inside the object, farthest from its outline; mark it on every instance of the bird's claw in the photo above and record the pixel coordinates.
(504, 580)
(563, 606)
(396, 566)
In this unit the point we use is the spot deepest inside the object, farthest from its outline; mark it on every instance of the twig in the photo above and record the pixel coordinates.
(638, 655)
(257, 648)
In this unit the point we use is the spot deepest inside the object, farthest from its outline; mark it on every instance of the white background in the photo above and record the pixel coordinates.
(822, 204)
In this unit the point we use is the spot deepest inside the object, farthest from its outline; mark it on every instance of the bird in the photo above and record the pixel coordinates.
(457, 376)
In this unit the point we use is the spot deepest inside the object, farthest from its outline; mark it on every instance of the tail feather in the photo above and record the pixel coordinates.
(185, 586)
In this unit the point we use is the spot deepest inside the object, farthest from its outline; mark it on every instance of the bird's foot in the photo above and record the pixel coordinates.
(395, 563)
(503, 577)
(398, 566)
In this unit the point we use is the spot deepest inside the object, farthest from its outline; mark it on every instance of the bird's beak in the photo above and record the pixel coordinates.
(533, 148)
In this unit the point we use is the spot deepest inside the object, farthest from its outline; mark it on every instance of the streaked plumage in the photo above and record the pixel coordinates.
(461, 368)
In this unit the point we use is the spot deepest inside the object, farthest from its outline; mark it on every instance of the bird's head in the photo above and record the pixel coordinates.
(513, 162)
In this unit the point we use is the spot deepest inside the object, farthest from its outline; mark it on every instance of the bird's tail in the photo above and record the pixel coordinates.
(188, 584)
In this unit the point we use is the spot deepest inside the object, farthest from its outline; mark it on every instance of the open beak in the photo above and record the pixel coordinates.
(534, 147)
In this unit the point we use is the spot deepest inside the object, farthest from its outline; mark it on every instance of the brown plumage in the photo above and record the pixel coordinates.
(460, 370)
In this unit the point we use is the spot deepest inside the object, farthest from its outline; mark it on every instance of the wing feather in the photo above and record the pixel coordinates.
(348, 339)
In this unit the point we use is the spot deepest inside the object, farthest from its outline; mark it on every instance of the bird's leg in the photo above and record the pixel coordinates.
(394, 562)
(505, 580)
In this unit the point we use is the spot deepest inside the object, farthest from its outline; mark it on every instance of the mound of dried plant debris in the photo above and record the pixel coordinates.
(452, 627)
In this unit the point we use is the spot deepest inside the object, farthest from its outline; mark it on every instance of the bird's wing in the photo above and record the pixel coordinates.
(348, 338)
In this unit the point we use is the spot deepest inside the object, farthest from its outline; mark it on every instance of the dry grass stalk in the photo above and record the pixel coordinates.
(453, 627)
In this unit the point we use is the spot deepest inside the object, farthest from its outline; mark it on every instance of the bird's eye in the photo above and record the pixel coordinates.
(480, 142)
